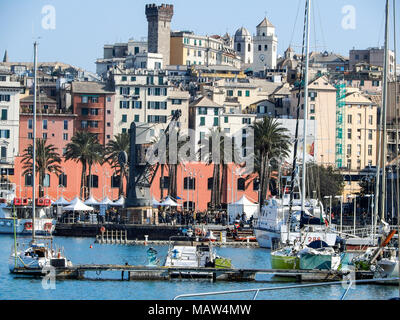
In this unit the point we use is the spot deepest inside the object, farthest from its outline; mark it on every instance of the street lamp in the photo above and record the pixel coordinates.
(341, 212)
(330, 208)
(355, 212)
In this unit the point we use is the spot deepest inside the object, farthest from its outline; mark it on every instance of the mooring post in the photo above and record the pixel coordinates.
(107, 236)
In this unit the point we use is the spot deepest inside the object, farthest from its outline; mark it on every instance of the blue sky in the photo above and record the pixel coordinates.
(84, 26)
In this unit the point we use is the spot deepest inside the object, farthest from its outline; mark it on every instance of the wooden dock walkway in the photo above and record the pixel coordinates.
(120, 237)
(129, 272)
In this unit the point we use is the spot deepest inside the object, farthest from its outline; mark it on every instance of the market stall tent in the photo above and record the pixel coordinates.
(241, 206)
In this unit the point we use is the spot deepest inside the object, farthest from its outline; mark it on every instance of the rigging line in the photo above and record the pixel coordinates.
(313, 18)
(294, 169)
(295, 22)
(321, 24)
(397, 133)
(380, 28)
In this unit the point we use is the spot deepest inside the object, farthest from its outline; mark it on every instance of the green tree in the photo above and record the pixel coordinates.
(270, 141)
(47, 160)
(120, 143)
(86, 149)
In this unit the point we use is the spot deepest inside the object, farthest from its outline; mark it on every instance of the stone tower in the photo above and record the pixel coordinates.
(159, 29)
(265, 47)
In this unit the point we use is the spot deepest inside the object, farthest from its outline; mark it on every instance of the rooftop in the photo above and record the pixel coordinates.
(90, 87)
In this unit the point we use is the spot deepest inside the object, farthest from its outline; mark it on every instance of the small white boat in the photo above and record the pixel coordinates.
(37, 258)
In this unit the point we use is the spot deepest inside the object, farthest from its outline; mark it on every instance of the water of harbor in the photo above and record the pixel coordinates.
(79, 251)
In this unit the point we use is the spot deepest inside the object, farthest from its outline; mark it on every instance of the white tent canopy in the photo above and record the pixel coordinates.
(155, 202)
(168, 202)
(78, 206)
(241, 206)
(106, 201)
(120, 202)
(91, 201)
(61, 202)
(75, 200)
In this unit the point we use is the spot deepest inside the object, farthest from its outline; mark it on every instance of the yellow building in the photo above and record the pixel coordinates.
(190, 49)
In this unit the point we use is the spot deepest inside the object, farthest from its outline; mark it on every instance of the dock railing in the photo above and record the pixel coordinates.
(347, 283)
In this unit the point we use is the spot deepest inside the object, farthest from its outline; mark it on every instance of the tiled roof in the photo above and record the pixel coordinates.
(90, 87)
(204, 102)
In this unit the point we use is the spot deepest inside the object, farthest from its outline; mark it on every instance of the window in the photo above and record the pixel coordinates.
(44, 136)
(349, 119)
(239, 48)
(115, 180)
(348, 133)
(85, 111)
(124, 90)
(210, 182)
(92, 180)
(176, 101)
(241, 184)
(30, 135)
(30, 124)
(5, 134)
(137, 91)
(164, 182)
(65, 124)
(239, 93)
(349, 149)
(202, 121)
(358, 118)
(94, 112)
(256, 184)
(226, 119)
(84, 124)
(84, 99)
(136, 119)
(247, 93)
(229, 93)
(108, 124)
(259, 47)
(124, 104)
(370, 150)
(44, 124)
(156, 119)
(5, 97)
(215, 111)
(189, 183)
(3, 154)
(4, 115)
(124, 118)
(124, 78)
(359, 149)
(28, 180)
(216, 121)
(94, 99)
(203, 110)
(65, 136)
(133, 78)
(369, 134)
(265, 47)
(137, 105)
(370, 119)
(348, 164)
(312, 108)
(246, 121)
(46, 181)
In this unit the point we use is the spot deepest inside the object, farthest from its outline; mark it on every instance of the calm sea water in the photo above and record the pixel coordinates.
(78, 250)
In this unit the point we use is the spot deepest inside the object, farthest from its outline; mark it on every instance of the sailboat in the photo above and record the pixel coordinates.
(38, 256)
(298, 251)
(387, 264)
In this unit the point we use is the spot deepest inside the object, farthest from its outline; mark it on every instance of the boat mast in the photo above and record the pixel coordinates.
(384, 104)
(34, 142)
(303, 182)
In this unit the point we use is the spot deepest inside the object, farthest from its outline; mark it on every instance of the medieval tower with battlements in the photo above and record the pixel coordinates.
(159, 29)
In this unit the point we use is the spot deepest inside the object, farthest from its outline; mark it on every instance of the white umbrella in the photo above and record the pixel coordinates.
(91, 201)
(169, 203)
(78, 206)
(120, 202)
(61, 202)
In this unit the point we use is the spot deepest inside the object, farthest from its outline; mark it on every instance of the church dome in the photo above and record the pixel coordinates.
(242, 32)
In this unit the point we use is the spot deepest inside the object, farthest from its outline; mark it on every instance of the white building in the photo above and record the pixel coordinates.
(9, 119)
(145, 60)
(146, 96)
(265, 47)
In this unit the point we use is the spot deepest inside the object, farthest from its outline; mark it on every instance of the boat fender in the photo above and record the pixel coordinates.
(102, 229)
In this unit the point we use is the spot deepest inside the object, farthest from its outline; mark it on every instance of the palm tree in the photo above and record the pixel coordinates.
(270, 141)
(47, 160)
(86, 149)
(209, 153)
(121, 143)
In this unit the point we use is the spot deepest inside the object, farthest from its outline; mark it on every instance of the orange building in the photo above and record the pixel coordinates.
(194, 182)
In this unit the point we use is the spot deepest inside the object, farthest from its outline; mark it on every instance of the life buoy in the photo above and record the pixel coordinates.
(28, 225)
(47, 226)
(102, 229)
(198, 232)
